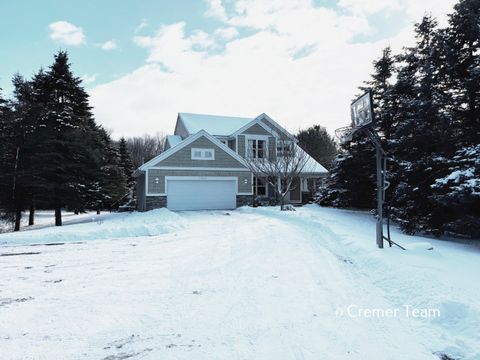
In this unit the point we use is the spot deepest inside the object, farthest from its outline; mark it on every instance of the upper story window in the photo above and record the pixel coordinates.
(203, 154)
(284, 148)
(257, 148)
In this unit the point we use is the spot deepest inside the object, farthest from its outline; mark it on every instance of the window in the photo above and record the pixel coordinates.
(203, 154)
(284, 148)
(259, 187)
(257, 148)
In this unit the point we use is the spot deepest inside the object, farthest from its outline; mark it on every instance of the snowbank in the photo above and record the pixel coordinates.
(119, 225)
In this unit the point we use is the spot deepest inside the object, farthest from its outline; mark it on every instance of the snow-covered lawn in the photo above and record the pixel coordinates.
(44, 218)
(247, 284)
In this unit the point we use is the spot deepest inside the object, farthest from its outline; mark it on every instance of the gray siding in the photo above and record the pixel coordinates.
(274, 127)
(158, 187)
(272, 147)
(183, 157)
(231, 144)
(241, 145)
(140, 188)
(256, 129)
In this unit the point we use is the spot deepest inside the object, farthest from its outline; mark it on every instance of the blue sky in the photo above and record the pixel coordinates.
(300, 61)
(29, 46)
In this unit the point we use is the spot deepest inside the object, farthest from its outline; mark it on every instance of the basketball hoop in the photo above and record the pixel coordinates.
(363, 119)
(345, 134)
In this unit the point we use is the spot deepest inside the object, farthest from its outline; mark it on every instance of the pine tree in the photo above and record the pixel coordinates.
(70, 148)
(18, 178)
(113, 183)
(463, 69)
(456, 187)
(126, 165)
(422, 134)
(319, 144)
(457, 194)
(7, 160)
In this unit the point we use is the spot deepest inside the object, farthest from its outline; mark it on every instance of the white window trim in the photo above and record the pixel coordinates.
(288, 142)
(254, 187)
(202, 151)
(257, 137)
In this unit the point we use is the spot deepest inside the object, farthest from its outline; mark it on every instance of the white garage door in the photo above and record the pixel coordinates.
(201, 194)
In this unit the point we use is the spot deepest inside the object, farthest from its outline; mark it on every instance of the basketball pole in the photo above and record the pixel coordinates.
(379, 156)
(363, 118)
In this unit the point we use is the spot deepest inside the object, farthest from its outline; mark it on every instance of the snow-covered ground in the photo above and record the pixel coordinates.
(44, 218)
(245, 284)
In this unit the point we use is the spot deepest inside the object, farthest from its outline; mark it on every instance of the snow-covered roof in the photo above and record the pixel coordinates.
(213, 124)
(174, 140)
(312, 166)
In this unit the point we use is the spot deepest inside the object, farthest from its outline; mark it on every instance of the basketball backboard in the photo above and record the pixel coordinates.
(362, 111)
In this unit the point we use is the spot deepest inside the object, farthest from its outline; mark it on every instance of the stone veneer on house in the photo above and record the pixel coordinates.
(155, 202)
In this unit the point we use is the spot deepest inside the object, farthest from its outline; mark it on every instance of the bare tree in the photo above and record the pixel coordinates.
(281, 168)
(145, 148)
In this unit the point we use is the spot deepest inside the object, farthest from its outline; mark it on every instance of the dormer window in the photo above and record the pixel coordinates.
(257, 148)
(284, 148)
(203, 154)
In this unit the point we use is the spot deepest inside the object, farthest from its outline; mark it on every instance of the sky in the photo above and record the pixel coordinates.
(143, 61)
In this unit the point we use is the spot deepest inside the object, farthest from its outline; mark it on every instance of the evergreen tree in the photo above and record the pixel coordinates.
(456, 186)
(17, 177)
(422, 134)
(113, 183)
(457, 194)
(70, 148)
(7, 160)
(319, 144)
(463, 70)
(26, 113)
(125, 163)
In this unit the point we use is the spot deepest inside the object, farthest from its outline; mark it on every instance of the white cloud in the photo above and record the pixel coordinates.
(170, 47)
(371, 6)
(88, 79)
(298, 65)
(66, 33)
(413, 9)
(201, 39)
(108, 45)
(143, 24)
(227, 33)
(216, 10)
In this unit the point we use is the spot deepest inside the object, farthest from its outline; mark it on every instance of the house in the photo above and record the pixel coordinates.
(204, 167)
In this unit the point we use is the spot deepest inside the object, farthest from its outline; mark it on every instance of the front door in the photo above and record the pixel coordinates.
(296, 193)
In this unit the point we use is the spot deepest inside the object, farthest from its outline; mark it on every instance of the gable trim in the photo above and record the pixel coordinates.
(250, 124)
(188, 141)
(277, 125)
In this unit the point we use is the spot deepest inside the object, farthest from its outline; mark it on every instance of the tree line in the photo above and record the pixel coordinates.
(52, 153)
(427, 109)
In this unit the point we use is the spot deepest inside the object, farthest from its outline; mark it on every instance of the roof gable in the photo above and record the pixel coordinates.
(186, 142)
